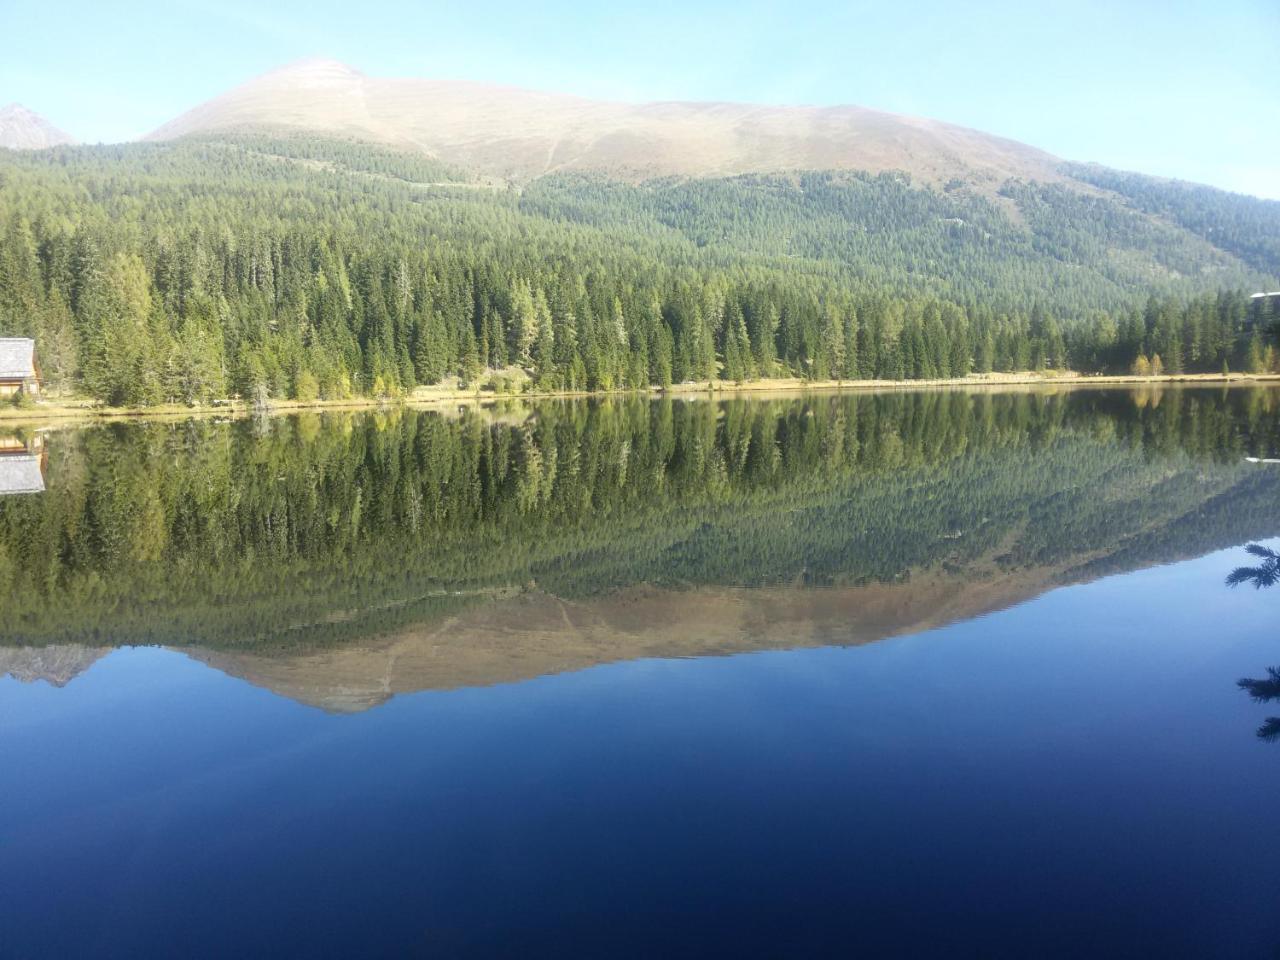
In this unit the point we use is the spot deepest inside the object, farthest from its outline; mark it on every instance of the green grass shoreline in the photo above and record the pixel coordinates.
(82, 408)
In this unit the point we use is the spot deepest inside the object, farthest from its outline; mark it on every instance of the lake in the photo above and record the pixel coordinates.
(936, 674)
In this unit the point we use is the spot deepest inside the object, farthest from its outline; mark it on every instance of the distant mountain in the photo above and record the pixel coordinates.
(510, 132)
(789, 181)
(23, 129)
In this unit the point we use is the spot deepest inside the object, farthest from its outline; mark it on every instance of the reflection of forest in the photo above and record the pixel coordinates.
(316, 530)
(1266, 573)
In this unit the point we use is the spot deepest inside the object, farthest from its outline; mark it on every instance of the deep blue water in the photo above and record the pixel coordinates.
(1074, 777)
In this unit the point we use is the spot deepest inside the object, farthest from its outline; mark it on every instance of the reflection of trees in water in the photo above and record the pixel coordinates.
(1264, 691)
(277, 533)
(1265, 574)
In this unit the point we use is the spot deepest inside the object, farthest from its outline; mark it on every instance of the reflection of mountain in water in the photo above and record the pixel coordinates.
(57, 665)
(536, 634)
(343, 559)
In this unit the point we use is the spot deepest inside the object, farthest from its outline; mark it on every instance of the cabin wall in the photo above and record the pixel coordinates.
(10, 387)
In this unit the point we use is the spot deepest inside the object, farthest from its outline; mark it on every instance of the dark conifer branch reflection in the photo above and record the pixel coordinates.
(1265, 574)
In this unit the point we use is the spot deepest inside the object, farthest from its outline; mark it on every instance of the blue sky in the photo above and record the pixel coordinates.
(1186, 88)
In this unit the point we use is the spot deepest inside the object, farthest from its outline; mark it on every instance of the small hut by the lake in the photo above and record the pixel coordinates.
(19, 372)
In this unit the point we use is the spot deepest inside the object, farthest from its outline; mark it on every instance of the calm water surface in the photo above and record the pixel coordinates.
(899, 675)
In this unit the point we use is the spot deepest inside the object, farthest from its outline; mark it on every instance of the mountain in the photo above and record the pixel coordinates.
(23, 129)
(510, 132)
(448, 232)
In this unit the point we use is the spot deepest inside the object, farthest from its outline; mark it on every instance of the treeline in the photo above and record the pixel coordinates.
(294, 269)
(287, 532)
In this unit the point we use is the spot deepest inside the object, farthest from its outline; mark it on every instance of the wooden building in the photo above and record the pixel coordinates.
(19, 372)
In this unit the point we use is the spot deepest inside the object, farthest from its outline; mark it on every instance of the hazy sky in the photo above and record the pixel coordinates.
(1186, 88)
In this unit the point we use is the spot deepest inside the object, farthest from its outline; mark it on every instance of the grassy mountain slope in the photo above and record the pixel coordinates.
(509, 132)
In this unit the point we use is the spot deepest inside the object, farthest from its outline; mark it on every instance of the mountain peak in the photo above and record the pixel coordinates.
(317, 68)
(24, 129)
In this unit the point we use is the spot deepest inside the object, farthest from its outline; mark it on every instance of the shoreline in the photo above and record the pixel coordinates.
(426, 398)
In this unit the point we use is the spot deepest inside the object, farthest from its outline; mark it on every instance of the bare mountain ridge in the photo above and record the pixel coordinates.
(520, 134)
(23, 129)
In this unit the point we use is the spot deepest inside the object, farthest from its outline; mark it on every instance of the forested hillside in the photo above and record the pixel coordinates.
(272, 266)
(1246, 227)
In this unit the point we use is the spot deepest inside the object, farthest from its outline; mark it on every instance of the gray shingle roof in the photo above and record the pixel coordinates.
(17, 358)
(20, 475)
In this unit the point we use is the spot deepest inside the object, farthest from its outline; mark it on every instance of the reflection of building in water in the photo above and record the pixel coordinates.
(22, 465)
(19, 372)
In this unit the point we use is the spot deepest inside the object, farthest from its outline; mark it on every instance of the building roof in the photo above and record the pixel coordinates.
(17, 358)
(20, 475)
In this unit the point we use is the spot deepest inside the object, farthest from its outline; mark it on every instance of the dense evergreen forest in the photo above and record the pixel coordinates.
(282, 267)
(288, 533)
